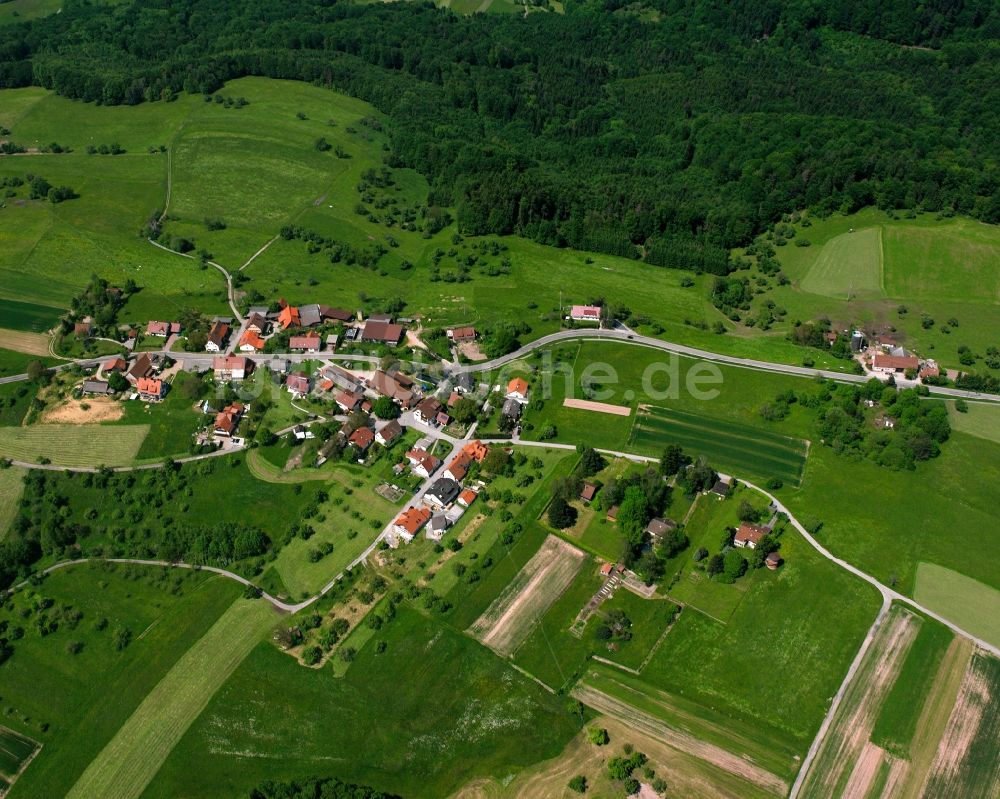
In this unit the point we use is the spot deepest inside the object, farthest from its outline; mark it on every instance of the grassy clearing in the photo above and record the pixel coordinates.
(649, 617)
(128, 763)
(73, 445)
(82, 700)
(729, 446)
(11, 486)
(432, 712)
(171, 423)
(848, 264)
(15, 399)
(28, 316)
(897, 722)
(972, 605)
(968, 760)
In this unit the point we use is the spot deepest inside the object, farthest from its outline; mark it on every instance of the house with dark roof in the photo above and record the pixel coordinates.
(142, 367)
(511, 409)
(96, 387)
(217, 335)
(381, 332)
(257, 323)
(588, 491)
(657, 528)
(115, 365)
(335, 314)
(438, 526)
(388, 433)
(427, 410)
(442, 493)
(389, 386)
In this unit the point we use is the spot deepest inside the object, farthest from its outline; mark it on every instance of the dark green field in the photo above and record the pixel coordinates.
(17, 315)
(15, 749)
(727, 445)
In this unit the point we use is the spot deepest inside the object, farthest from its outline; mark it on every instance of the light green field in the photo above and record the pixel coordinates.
(73, 445)
(847, 265)
(129, 762)
(981, 420)
(11, 486)
(968, 603)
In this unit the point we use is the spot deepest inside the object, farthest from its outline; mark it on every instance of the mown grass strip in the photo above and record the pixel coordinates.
(73, 445)
(131, 759)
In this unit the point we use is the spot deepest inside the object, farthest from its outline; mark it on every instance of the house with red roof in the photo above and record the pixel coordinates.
(749, 535)
(585, 313)
(517, 389)
(251, 342)
(149, 388)
(467, 497)
(309, 342)
(289, 317)
(462, 335)
(422, 463)
(298, 384)
(217, 334)
(231, 367)
(889, 364)
(410, 522)
(362, 439)
(228, 419)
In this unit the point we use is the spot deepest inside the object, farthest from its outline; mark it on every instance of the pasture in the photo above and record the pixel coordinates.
(969, 603)
(129, 761)
(846, 763)
(729, 446)
(73, 444)
(847, 265)
(11, 486)
(981, 420)
(509, 619)
(73, 704)
(385, 723)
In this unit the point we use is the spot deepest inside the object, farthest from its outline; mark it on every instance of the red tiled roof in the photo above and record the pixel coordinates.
(412, 519)
(517, 386)
(751, 533)
(308, 341)
(386, 332)
(586, 312)
(252, 339)
(362, 437)
(468, 496)
(467, 333)
(895, 362)
(289, 317)
(149, 385)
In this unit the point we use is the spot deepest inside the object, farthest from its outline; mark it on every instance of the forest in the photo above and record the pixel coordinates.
(667, 130)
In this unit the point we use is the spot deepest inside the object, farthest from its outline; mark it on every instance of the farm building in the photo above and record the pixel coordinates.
(462, 335)
(96, 387)
(380, 332)
(342, 378)
(889, 364)
(310, 316)
(335, 314)
(749, 535)
(116, 365)
(390, 385)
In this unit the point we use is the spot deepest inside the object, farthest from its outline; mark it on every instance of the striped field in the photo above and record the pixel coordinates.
(11, 486)
(73, 444)
(728, 446)
(131, 759)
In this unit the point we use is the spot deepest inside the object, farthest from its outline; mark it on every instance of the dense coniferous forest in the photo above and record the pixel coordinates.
(669, 130)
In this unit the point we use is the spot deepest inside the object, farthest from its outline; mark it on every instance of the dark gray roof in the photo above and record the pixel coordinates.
(512, 408)
(445, 490)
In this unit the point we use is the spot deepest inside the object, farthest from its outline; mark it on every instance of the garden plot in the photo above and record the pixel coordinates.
(509, 619)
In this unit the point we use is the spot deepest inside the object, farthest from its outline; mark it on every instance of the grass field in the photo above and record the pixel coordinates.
(75, 704)
(171, 423)
(388, 722)
(128, 763)
(896, 724)
(11, 486)
(16, 363)
(972, 605)
(35, 344)
(848, 264)
(981, 420)
(15, 752)
(73, 445)
(21, 10)
(729, 446)
(28, 316)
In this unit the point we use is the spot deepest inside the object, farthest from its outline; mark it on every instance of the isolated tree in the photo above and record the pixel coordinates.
(672, 460)
(117, 381)
(747, 512)
(464, 410)
(598, 736)
(591, 462)
(578, 784)
(385, 408)
(561, 514)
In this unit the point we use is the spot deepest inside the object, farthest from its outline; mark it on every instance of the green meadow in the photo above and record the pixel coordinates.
(969, 603)
(18, 315)
(73, 704)
(848, 264)
(981, 420)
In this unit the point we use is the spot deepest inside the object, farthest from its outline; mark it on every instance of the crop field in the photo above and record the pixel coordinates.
(847, 265)
(969, 603)
(21, 341)
(847, 763)
(128, 763)
(729, 446)
(508, 620)
(436, 691)
(11, 486)
(28, 316)
(16, 752)
(685, 727)
(74, 704)
(967, 762)
(72, 444)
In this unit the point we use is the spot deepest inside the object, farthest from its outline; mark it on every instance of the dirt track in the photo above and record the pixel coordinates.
(508, 620)
(600, 407)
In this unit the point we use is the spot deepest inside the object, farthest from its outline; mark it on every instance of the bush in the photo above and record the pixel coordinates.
(578, 784)
(598, 735)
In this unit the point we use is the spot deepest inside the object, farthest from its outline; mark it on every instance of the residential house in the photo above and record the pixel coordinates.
(436, 529)
(310, 316)
(467, 497)
(150, 388)
(585, 313)
(231, 367)
(331, 341)
(162, 329)
(310, 342)
(657, 528)
(362, 439)
(382, 332)
(462, 335)
(474, 451)
(889, 364)
(517, 389)
(257, 323)
(389, 385)
(588, 491)
(298, 384)
(422, 463)
(342, 378)
(302, 433)
(389, 433)
(427, 410)
(279, 366)
(98, 387)
(929, 369)
(721, 488)
(749, 535)
(228, 419)
(142, 367)
(216, 339)
(82, 329)
(348, 401)
(511, 409)
(289, 317)
(410, 522)
(442, 493)
(251, 341)
(115, 365)
(454, 513)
